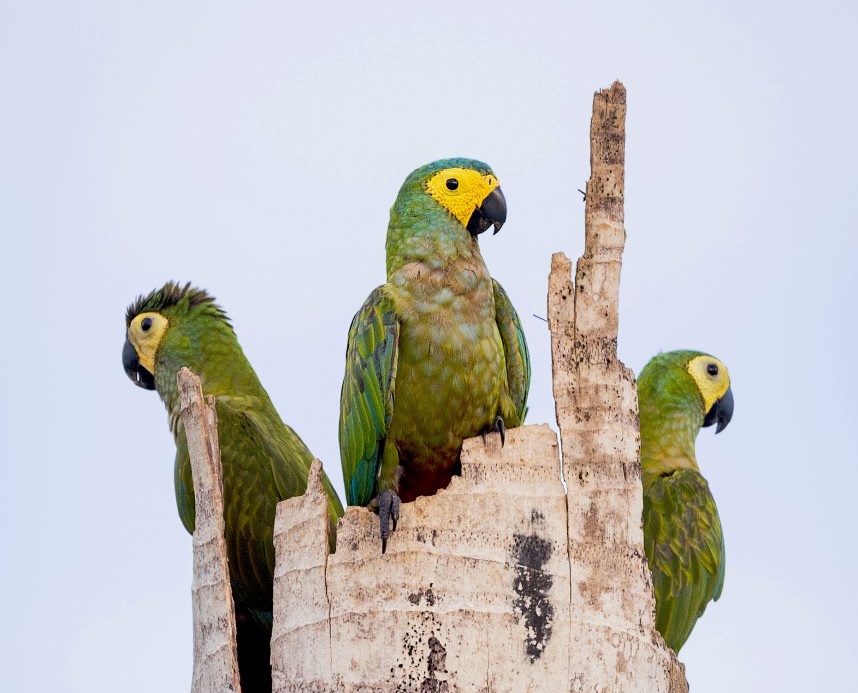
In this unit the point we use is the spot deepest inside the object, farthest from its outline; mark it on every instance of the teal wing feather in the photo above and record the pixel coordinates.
(264, 462)
(261, 467)
(366, 399)
(685, 548)
(515, 350)
(288, 457)
(184, 482)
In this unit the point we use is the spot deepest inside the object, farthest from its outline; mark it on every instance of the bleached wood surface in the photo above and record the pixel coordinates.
(215, 659)
(471, 595)
(612, 604)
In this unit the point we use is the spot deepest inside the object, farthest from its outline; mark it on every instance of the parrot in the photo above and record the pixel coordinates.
(264, 461)
(679, 392)
(438, 353)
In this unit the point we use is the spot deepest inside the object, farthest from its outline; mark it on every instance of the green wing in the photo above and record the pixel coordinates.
(288, 457)
(366, 399)
(515, 349)
(684, 545)
(184, 481)
(264, 462)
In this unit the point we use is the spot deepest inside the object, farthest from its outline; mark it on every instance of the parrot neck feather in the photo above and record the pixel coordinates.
(424, 232)
(672, 449)
(211, 351)
(671, 415)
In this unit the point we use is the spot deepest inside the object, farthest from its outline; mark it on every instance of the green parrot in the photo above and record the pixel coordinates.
(264, 461)
(435, 355)
(678, 393)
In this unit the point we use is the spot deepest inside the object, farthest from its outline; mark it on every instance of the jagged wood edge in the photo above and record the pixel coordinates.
(596, 406)
(215, 653)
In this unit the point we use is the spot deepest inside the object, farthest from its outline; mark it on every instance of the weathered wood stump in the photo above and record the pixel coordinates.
(215, 656)
(472, 593)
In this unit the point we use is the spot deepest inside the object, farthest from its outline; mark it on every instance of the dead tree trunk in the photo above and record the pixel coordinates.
(472, 594)
(502, 581)
(215, 658)
(613, 610)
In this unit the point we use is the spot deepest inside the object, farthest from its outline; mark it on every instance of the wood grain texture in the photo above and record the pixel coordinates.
(472, 594)
(612, 603)
(215, 659)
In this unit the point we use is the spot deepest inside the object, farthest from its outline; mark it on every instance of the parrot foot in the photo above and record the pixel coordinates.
(498, 426)
(388, 509)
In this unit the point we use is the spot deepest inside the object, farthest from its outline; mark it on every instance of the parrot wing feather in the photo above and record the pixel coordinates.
(515, 350)
(288, 456)
(685, 548)
(366, 399)
(184, 482)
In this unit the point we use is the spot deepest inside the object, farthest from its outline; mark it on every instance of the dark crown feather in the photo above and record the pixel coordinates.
(170, 295)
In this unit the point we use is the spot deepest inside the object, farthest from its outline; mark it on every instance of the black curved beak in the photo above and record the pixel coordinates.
(721, 412)
(139, 375)
(492, 212)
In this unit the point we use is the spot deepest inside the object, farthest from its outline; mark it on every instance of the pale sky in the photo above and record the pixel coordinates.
(256, 149)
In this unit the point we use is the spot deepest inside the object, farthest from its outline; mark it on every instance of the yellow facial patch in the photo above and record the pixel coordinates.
(711, 377)
(145, 333)
(461, 190)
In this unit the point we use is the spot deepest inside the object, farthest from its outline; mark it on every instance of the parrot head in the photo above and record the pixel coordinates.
(440, 211)
(465, 189)
(468, 190)
(713, 382)
(694, 377)
(165, 330)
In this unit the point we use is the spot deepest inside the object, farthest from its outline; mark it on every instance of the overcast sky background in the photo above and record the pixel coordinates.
(256, 151)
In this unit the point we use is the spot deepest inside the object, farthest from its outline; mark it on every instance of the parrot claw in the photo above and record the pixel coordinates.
(498, 426)
(388, 509)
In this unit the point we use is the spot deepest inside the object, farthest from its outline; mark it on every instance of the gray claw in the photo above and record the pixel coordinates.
(388, 509)
(498, 426)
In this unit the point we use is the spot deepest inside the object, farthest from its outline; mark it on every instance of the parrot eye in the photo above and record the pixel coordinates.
(145, 324)
(712, 369)
(452, 184)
